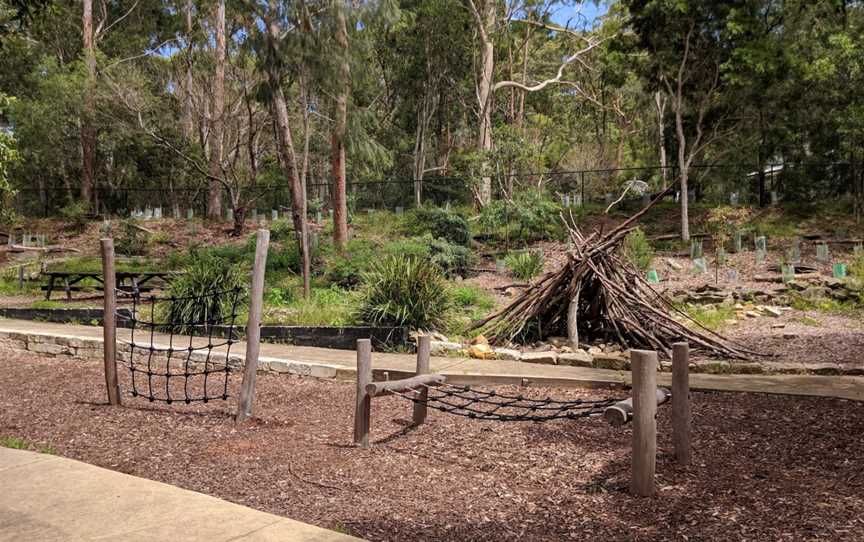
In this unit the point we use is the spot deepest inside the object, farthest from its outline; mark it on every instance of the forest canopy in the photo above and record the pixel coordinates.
(111, 105)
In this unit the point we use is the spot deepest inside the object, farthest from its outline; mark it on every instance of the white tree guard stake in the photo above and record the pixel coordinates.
(109, 322)
(644, 367)
(363, 405)
(681, 402)
(424, 348)
(253, 328)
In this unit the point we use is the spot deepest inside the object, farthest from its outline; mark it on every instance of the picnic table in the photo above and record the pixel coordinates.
(126, 280)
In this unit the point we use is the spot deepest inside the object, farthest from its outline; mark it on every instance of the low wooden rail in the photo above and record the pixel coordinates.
(367, 389)
(376, 389)
(622, 411)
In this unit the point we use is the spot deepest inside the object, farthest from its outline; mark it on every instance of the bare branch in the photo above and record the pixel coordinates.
(557, 79)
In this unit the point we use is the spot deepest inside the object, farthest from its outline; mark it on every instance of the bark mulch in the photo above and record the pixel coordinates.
(766, 467)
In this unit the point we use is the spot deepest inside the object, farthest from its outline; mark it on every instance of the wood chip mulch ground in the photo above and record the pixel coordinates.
(766, 467)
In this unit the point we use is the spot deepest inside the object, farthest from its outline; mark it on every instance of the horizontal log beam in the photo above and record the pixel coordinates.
(375, 389)
(622, 411)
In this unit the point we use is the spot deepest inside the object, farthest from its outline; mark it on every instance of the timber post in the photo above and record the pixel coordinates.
(363, 404)
(109, 321)
(644, 440)
(424, 348)
(681, 402)
(253, 328)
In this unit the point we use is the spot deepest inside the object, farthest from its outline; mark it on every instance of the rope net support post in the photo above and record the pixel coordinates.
(424, 349)
(681, 419)
(253, 328)
(109, 321)
(644, 439)
(363, 404)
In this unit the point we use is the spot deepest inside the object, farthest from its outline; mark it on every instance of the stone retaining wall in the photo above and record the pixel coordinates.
(90, 349)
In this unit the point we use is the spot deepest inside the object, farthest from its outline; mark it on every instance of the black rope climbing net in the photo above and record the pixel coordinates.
(173, 357)
(492, 405)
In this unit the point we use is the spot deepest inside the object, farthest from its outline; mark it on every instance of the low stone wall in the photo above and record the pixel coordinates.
(90, 349)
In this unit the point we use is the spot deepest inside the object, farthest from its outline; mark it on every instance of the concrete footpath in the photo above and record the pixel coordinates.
(86, 342)
(47, 498)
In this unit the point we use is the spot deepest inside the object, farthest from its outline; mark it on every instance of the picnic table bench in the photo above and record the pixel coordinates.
(126, 280)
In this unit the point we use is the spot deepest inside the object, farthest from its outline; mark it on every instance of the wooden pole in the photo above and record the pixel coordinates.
(424, 347)
(109, 323)
(681, 402)
(21, 277)
(573, 321)
(253, 328)
(644, 366)
(363, 406)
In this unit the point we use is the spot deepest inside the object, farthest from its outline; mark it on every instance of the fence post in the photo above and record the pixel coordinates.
(109, 322)
(681, 402)
(424, 347)
(253, 328)
(644, 443)
(363, 406)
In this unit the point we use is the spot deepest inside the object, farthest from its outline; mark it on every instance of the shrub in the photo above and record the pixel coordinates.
(205, 275)
(452, 259)
(524, 265)
(404, 291)
(638, 250)
(75, 215)
(346, 270)
(282, 230)
(131, 240)
(442, 224)
(530, 216)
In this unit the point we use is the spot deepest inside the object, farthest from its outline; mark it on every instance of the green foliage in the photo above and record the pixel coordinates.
(76, 216)
(330, 306)
(22, 444)
(712, 317)
(638, 250)
(282, 230)
(524, 265)
(529, 216)
(346, 270)
(454, 260)
(205, 275)
(404, 291)
(131, 241)
(441, 223)
(9, 155)
(472, 303)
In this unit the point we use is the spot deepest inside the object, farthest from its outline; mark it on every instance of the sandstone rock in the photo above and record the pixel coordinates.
(751, 314)
(579, 358)
(773, 311)
(508, 354)
(545, 358)
(778, 326)
(558, 341)
(481, 351)
(439, 348)
(674, 265)
(595, 351)
(615, 361)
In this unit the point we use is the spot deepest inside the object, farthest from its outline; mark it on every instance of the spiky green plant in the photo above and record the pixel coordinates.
(405, 291)
(193, 293)
(524, 265)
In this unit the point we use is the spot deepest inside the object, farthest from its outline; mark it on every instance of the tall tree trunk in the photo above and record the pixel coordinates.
(683, 170)
(88, 131)
(188, 109)
(484, 93)
(214, 192)
(288, 158)
(337, 141)
(660, 105)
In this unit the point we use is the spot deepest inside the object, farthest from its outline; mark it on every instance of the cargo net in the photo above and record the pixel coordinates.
(179, 347)
(492, 405)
